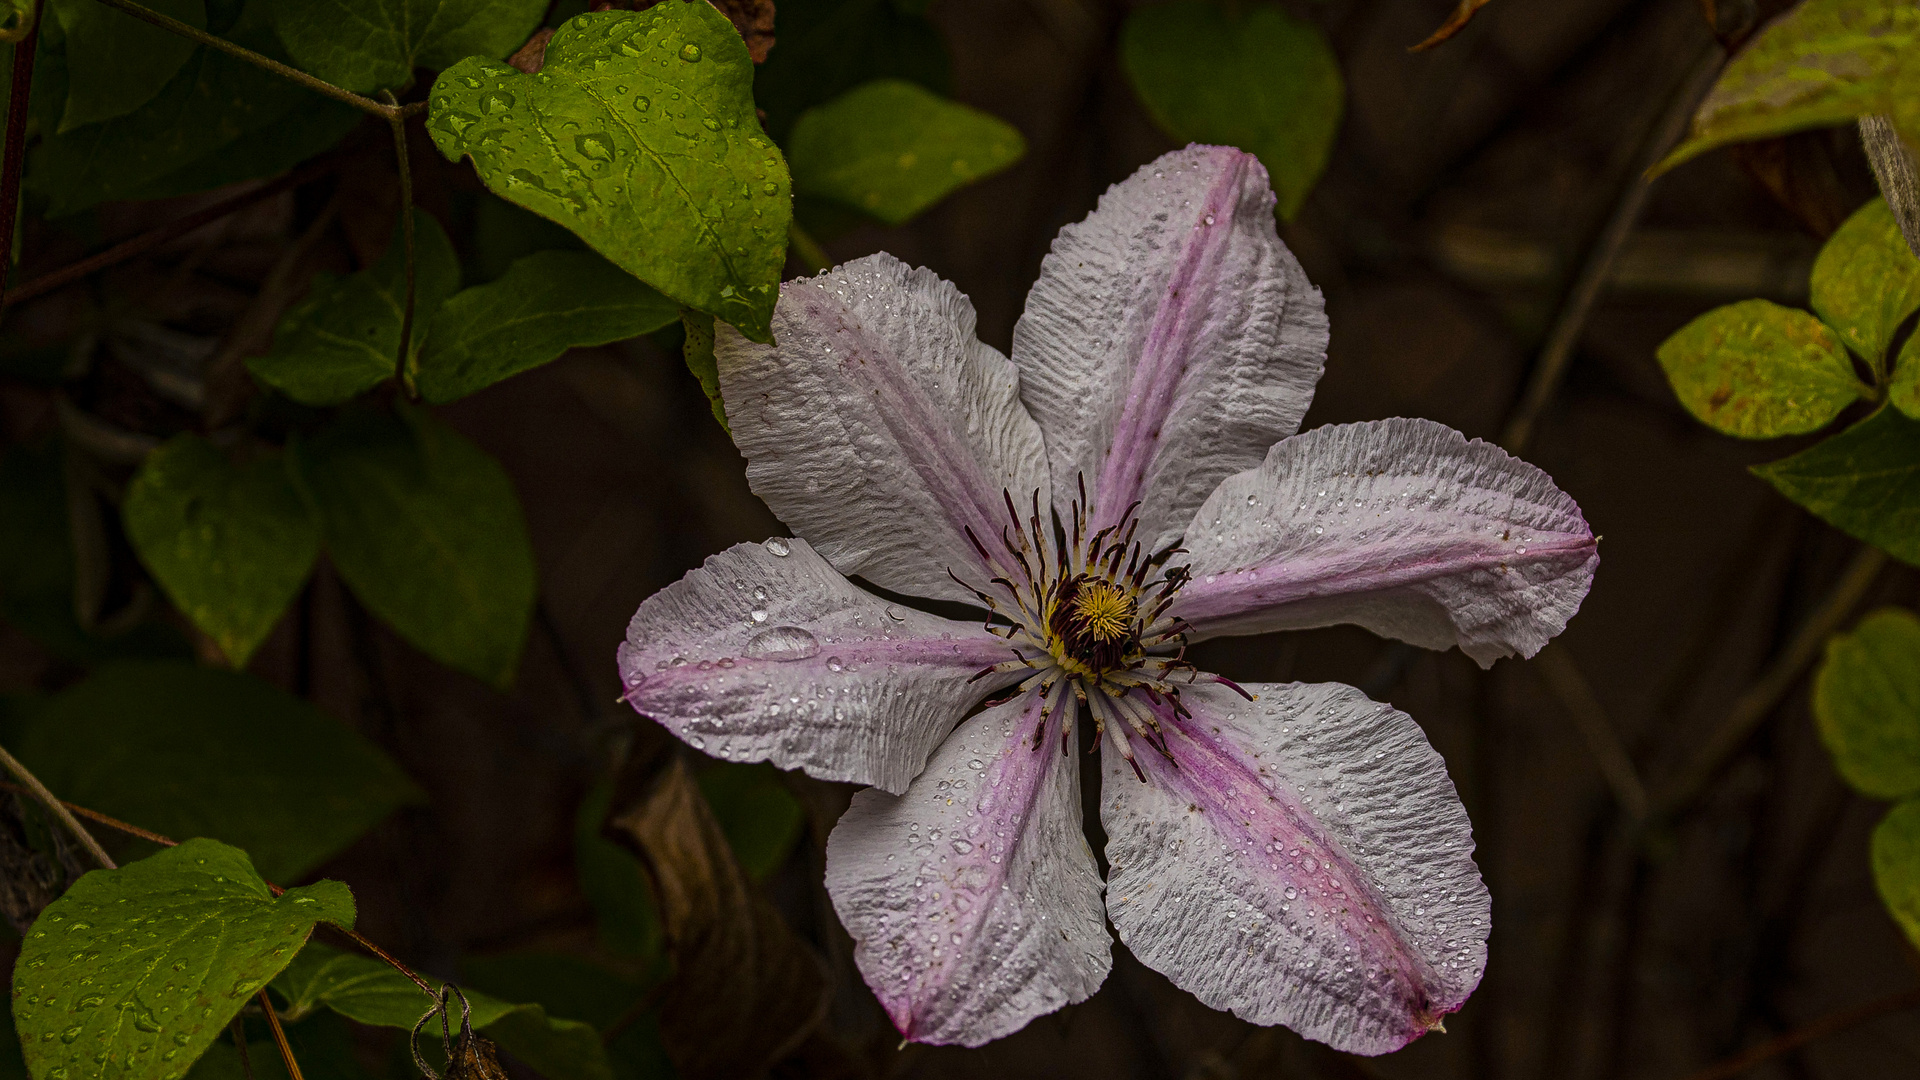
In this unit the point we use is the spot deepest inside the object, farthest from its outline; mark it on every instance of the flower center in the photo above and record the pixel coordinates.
(1093, 625)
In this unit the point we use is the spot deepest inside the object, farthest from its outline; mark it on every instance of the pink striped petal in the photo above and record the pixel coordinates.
(1401, 526)
(1300, 859)
(880, 428)
(766, 653)
(973, 898)
(1170, 340)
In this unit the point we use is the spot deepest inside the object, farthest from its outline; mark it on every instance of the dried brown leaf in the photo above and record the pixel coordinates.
(1455, 22)
(533, 55)
(745, 991)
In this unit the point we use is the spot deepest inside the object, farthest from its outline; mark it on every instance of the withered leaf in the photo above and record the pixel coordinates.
(1454, 24)
(473, 1059)
(745, 991)
(532, 56)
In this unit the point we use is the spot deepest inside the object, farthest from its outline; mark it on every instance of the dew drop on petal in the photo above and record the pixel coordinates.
(777, 547)
(782, 643)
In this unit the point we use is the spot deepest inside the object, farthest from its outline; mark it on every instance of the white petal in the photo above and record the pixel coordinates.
(1171, 339)
(1305, 863)
(973, 898)
(1402, 526)
(759, 656)
(880, 428)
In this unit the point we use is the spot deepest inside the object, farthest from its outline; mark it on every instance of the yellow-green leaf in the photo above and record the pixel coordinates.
(1865, 281)
(1896, 865)
(1757, 370)
(1866, 700)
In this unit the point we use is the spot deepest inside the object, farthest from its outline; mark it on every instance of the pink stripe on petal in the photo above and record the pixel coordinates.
(1301, 860)
(973, 899)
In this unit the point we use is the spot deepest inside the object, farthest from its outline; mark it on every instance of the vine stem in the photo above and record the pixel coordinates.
(55, 807)
(16, 145)
(280, 1036)
(404, 162)
(1826, 1025)
(239, 1030)
(318, 86)
(66, 810)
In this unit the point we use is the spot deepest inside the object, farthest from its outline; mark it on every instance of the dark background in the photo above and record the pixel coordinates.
(1466, 189)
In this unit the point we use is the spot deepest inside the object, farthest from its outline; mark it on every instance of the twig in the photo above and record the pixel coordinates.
(55, 807)
(1563, 677)
(1759, 699)
(67, 809)
(1893, 168)
(239, 1029)
(318, 86)
(16, 145)
(280, 1036)
(807, 249)
(1557, 353)
(403, 161)
(173, 230)
(1817, 1029)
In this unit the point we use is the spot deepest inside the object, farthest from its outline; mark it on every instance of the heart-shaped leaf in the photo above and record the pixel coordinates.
(1758, 370)
(893, 148)
(1866, 282)
(639, 135)
(1896, 865)
(191, 751)
(231, 544)
(1264, 81)
(545, 304)
(115, 62)
(134, 972)
(1866, 699)
(426, 530)
(344, 338)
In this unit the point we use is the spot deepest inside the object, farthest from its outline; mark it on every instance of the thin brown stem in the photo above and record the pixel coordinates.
(173, 230)
(16, 145)
(97, 816)
(1753, 706)
(1818, 1029)
(1571, 322)
(1576, 695)
(280, 1037)
(318, 86)
(239, 1029)
(55, 807)
(403, 161)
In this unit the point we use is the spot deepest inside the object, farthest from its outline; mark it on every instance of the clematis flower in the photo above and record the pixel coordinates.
(1128, 483)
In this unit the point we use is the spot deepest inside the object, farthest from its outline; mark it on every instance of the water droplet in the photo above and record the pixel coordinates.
(497, 101)
(759, 592)
(777, 547)
(961, 847)
(834, 663)
(70, 1034)
(770, 188)
(641, 104)
(710, 124)
(1209, 219)
(782, 643)
(758, 615)
(596, 147)
(690, 53)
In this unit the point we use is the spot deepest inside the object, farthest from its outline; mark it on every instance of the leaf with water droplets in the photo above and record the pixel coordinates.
(120, 934)
(893, 149)
(367, 45)
(638, 134)
(545, 304)
(230, 543)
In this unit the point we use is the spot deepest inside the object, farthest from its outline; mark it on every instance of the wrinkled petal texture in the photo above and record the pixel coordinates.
(973, 898)
(762, 657)
(1306, 863)
(880, 428)
(1171, 339)
(1402, 526)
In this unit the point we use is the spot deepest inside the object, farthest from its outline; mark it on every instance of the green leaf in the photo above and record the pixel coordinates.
(1866, 700)
(545, 304)
(1864, 481)
(1896, 865)
(134, 972)
(1904, 389)
(115, 62)
(503, 233)
(323, 1046)
(426, 530)
(1823, 62)
(215, 103)
(760, 818)
(828, 47)
(1758, 370)
(563, 984)
(893, 149)
(613, 881)
(343, 339)
(1866, 282)
(231, 544)
(368, 45)
(367, 990)
(639, 135)
(697, 349)
(189, 751)
(1266, 82)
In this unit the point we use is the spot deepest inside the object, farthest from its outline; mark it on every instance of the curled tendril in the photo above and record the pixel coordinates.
(448, 1047)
